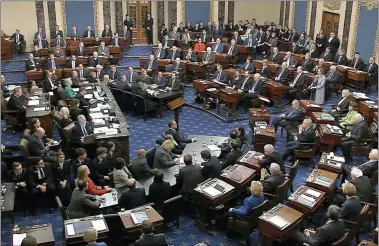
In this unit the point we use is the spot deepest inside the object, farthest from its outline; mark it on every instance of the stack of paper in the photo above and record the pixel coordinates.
(314, 106)
(111, 131)
(17, 238)
(38, 109)
(212, 192)
(98, 122)
(34, 98)
(139, 217)
(98, 225)
(70, 229)
(96, 115)
(278, 221)
(33, 103)
(75, 89)
(313, 193)
(100, 129)
(93, 110)
(88, 96)
(116, 126)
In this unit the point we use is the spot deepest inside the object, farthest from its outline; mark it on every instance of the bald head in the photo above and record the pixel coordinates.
(131, 183)
(141, 153)
(373, 154)
(40, 132)
(257, 76)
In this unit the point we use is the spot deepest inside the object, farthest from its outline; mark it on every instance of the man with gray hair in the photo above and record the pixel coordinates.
(357, 135)
(306, 135)
(81, 129)
(326, 234)
(290, 117)
(271, 182)
(368, 168)
(271, 156)
(189, 176)
(332, 80)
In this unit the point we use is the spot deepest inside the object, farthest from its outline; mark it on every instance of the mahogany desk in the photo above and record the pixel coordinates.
(358, 97)
(273, 67)
(250, 160)
(237, 175)
(367, 109)
(67, 72)
(43, 115)
(316, 173)
(300, 57)
(310, 77)
(206, 201)
(263, 137)
(202, 85)
(230, 96)
(197, 68)
(6, 49)
(357, 78)
(330, 165)
(42, 233)
(7, 208)
(367, 243)
(133, 232)
(258, 64)
(343, 71)
(35, 75)
(317, 118)
(375, 118)
(328, 138)
(164, 97)
(283, 45)
(275, 90)
(294, 202)
(78, 237)
(255, 114)
(270, 232)
(310, 106)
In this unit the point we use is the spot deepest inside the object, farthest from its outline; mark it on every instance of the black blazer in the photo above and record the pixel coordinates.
(16, 103)
(84, 51)
(265, 72)
(344, 105)
(12, 177)
(373, 73)
(223, 77)
(69, 63)
(64, 173)
(307, 65)
(334, 78)
(284, 76)
(232, 158)
(334, 44)
(247, 86)
(92, 34)
(171, 55)
(343, 61)
(74, 113)
(327, 234)
(327, 57)
(82, 100)
(192, 57)
(33, 179)
(300, 83)
(274, 157)
(99, 169)
(76, 164)
(211, 168)
(360, 64)
(306, 136)
(359, 131)
(106, 33)
(152, 240)
(35, 146)
(188, 179)
(53, 34)
(77, 132)
(177, 137)
(153, 67)
(178, 68)
(270, 183)
(162, 53)
(351, 208)
(368, 168)
(30, 65)
(158, 193)
(47, 85)
(275, 58)
(132, 198)
(364, 188)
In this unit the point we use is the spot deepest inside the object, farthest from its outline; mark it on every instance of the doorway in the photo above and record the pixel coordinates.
(330, 22)
(138, 11)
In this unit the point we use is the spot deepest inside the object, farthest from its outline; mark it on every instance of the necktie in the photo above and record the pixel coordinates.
(355, 63)
(40, 44)
(204, 37)
(149, 67)
(244, 82)
(40, 139)
(173, 82)
(73, 64)
(218, 76)
(131, 77)
(159, 53)
(17, 38)
(230, 50)
(330, 75)
(41, 174)
(247, 66)
(53, 64)
(250, 42)
(81, 50)
(369, 68)
(59, 42)
(81, 73)
(173, 55)
(297, 77)
(326, 53)
(98, 75)
(254, 87)
(116, 41)
(216, 47)
(207, 57)
(89, 34)
(280, 73)
(84, 131)
(339, 59)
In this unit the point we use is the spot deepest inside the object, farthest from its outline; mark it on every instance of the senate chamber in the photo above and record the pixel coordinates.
(190, 123)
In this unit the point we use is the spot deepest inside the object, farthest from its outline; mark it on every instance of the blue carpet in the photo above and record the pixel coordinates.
(12, 65)
(139, 51)
(128, 61)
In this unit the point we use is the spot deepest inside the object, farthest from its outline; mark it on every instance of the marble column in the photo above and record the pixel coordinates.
(119, 16)
(40, 15)
(160, 14)
(180, 12)
(231, 11)
(291, 14)
(107, 13)
(213, 12)
(313, 19)
(172, 13)
(281, 13)
(287, 13)
(60, 16)
(52, 15)
(221, 12)
(346, 25)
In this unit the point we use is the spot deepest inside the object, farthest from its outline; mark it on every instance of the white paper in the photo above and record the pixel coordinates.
(100, 130)
(51, 93)
(96, 115)
(212, 191)
(34, 98)
(75, 89)
(11, 87)
(17, 238)
(88, 96)
(38, 109)
(70, 229)
(94, 110)
(98, 122)
(212, 89)
(114, 125)
(264, 99)
(111, 131)
(213, 147)
(33, 103)
(88, 87)
(278, 221)
(314, 106)
(99, 225)
(339, 158)
(313, 193)
(308, 198)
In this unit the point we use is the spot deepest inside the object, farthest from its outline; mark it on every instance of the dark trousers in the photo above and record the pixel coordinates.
(300, 237)
(64, 193)
(49, 195)
(22, 197)
(346, 147)
(276, 122)
(291, 146)
(292, 94)
(246, 98)
(346, 171)
(149, 34)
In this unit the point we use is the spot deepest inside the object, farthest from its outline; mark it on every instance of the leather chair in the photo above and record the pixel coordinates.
(11, 117)
(358, 223)
(250, 222)
(23, 146)
(140, 106)
(61, 208)
(171, 210)
(129, 101)
(27, 134)
(115, 226)
(309, 153)
(364, 146)
(150, 154)
(119, 96)
(292, 173)
(281, 193)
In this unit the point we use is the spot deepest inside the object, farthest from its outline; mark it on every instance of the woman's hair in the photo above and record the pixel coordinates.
(256, 188)
(168, 144)
(64, 113)
(349, 189)
(90, 235)
(242, 130)
(74, 104)
(106, 79)
(109, 145)
(82, 172)
(30, 83)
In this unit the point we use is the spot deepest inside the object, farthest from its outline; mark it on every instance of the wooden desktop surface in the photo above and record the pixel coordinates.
(292, 200)
(42, 233)
(319, 172)
(79, 237)
(255, 114)
(327, 138)
(246, 174)
(250, 161)
(318, 119)
(305, 104)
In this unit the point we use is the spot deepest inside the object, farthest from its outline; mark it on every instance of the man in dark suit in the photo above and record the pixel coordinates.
(306, 135)
(82, 74)
(173, 82)
(164, 157)
(74, 32)
(327, 55)
(342, 106)
(294, 36)
(58, 42)
(116, 40)
(62, 171)
(36, 52)
(81, 50)
(362, 184)
(359, 132)
(368, 168)
(249, 66)
(82, 100)
(113, 74)
(39, 33)
(179, 139)
(160, 80)
(282, 74)
(132, 198)
(237, 38)
(159, 190)
(56, 32)
(217, 31)
(252, 92)
(39, 145)
(89, 33)
(149, 28)
(275, 56)
(351, 208)
(211, 165)
(175, 34)
(289, 118)
(41, 182)
(232, 157)
(205, 37)
(332, 80)
(261, 41)
(94, 60)
(245, 82)
(148, 238)
(290, 60)
(250, 41)
(326, 234)
(31, 64)
(372, 70)
(81, 160)
(232, 51)
(18, 102)
(297, 85)
(73, 62)
(341, 58)
(82, 203)
(51, 63)
(271, 181)
(81, 129)
(265, 71)
(334, 43)
(173, 54)
(131, 76)
(18, 175)
(178, 67)
(307, 63)
(271, 156)
(209, 57)
(160, 52)
(189, 176)
(40, 43)
(100, 167)
(18, 42)
(218, 47)
(220, 75)
(129, 23)
(107, 32)
(140, 168)
(167, 43)
(191, 56)
(358, 63)
(151, 65)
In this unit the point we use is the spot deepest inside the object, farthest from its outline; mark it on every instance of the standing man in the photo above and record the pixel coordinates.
(129, 25)
(149, 29)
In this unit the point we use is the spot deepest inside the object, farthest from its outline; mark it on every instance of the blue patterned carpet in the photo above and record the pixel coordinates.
(143, 135)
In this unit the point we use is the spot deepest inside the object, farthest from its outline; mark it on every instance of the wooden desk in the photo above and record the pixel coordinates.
(273, 67)
(249, 160)
(6, 49)
(35, 75)
(255, 115)
(357, 78)
(311, 180)
(357, 97)
(330, 165)
(258, 64)
(321, 118)
(115, 51)
(309, 106)
(295, 200)
(205, 200)
(328, 138)
(238, 175)
(202, 85)
(42, 233)
(263, 137)
(78, 237)
(272, 233)
(7, 207)
(309, 79)
(275, 90)
(67, 72)
(375, 118)
(43, 115)
(230, 96)
(284, 46)
(300, 57)
(367, 243)
(343, 71)
(230, 73)
(133, 232)
(368, 109)
(196, 67)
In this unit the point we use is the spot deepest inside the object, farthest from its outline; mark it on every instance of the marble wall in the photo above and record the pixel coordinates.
(52, 15)
(221, 11)
(172, 13)
(160, 13)
(106, 14)
(281, 13)
(346, 25)
(287, 13)
(119, 16)
(40, 15)
(313, 19)
(231, 11)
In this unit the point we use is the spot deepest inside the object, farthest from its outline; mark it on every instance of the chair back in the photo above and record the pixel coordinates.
(344, 240)
(293, 171)
(114, 224)
(374, 179)
(172, 208)
(256, 212)
(282, 190)
(23, 145)
(150, 154)
(140, 104)
(168, 68)
(119, 96)
(27, 134)
(129, 101)
(67, 132)
(61, 208)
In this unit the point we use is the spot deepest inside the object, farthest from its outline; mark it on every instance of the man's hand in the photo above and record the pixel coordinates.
(42, 188)
(22, 184)
(106, 178)
(348, 134)
(263, 173)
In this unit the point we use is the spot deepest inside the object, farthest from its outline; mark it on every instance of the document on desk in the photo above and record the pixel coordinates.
(88, 96)
(100, 130)
(314, 106)
(51, 93)
(98, 122)
(75, 89)
(313, 193)
(212, 192)
(115, 126)
(34, 98)
(139, 217)
(96, 115)
(33, 103)
(98, 225)
(264, 99)
(17, 238)
(278, 221)
(214, 149)
(95, 110)
(308, 198)
(111, 131)
(337, 158)
(70, 229)
(39, 109)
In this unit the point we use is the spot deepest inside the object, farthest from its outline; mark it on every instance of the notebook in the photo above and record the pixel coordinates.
(81, 226)
(139, 217)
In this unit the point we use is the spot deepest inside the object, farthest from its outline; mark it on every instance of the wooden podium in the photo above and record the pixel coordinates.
(175, 105)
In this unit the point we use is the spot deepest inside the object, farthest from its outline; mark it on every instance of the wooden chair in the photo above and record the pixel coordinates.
(171, 210)
(11, 117)
(250, 222)
(309, 153)
(280, 193)
(345, 240)
(358, 223)
(292, 173)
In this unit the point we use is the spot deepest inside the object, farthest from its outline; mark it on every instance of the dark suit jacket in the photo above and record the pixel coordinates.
(207, 38)
(162, 83)
(364, 189)
(265, 72)
(53, 34)
(141, 170)
(167, 43)
(360, 64)
(294, 37)
(284, 76)
(368, 168)
(92, 62)
(232, 157)
(217, 33)
(343, 61)
(49, 64)
(159, 192)
(16, 103)
(171, 55)
(189, 177)
(33, 179)
(85, 34)
(163, 158)
(293, 61)
(211, 59)
(152, 240)
(106, 33)
(83, 101)
(274, 157)
(351, 208)
(334, 77)
(359, 131)
(64, 173)
(43, 42)
(327, 234)
(223, 77)
(35, 146)
(178, 68)
(47, 85)
(275, 59)
(270, 183)
(153, 67)
(74, 113)
(306, 136)
(327, 57)
(373, 73)
(69, 63)
(250, 67)
(344, 105)
(77, 132)
(220, 48)
(192, 58)
(178, 138)
(211, 168)
(234, 50)
(307, 65)
(300, 83)
(119, 41)
(132, 198)
(174, 85)
(99, 169)
(162, 54)
(12, 177)
(76, 164)
(247, 86)
(135, 77)
(334, 44)
(84, 51)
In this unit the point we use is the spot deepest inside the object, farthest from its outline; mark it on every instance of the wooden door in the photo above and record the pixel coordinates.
(330, 22)
(138, 11)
